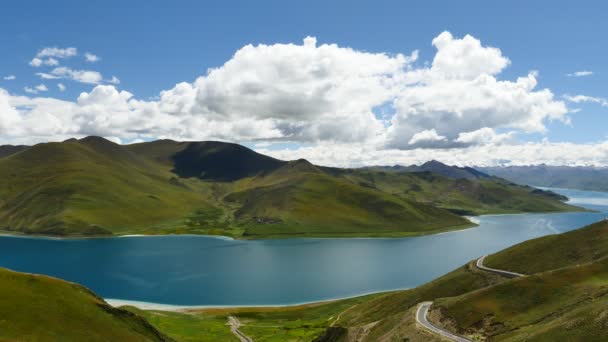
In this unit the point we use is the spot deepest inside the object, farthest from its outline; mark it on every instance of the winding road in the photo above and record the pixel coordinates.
(234, 328)
(423, 308)
(422, 312)
(503, 273)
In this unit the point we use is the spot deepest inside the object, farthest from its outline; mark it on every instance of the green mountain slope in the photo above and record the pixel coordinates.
(299, 199)
(40, 308)
(465, 195)
(92, 186)
(7, 150)
(568, 304)
(554, 251)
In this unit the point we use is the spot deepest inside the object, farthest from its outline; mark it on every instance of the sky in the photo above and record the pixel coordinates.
(340, 83)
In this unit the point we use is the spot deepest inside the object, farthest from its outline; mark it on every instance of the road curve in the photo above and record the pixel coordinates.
(503, 273)
(422, 312)
(234, 328)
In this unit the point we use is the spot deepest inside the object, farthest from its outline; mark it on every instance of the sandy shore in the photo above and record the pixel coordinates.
(171, 307)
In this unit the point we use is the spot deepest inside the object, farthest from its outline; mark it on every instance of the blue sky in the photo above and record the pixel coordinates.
(150, 46)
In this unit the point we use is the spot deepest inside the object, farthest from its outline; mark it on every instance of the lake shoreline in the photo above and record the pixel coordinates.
(150, 306)
(393, 235)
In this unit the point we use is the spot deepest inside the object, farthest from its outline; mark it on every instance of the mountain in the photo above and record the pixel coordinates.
(300, 199)
(572, 177)
(7, 150)
(469, 196)
(93, 186)
(433, 166)
(87, 187)
(41, 308)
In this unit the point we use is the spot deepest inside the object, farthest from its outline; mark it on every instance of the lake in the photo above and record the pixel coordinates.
(202, 270)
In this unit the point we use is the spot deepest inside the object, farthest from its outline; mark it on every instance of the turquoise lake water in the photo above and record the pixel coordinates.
(200, 270)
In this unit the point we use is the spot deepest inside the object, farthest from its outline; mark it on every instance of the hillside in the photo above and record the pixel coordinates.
(40, 308)
(562, 305)
(471, 196)
(546, 253)
(299, 199)
(93, 186)
(90, 186)
(7, 150)
(571, 177)
(436, 167)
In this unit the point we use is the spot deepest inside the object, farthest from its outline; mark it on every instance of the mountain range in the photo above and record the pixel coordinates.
(572, 177)
(93, 186)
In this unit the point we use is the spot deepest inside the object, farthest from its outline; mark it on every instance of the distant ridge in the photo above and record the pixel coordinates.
(572, 177)
(434, 166)
(7, 150)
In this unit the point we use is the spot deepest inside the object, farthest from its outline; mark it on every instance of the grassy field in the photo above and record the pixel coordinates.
(294, 323)
(39, 308)
(565, 304)
(554, 251)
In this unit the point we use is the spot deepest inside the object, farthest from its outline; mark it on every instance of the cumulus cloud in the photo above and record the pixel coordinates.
(61, 87)
(460, 93)
(305, 92)
(428, 136)
(9, 77)
(580, 74)
(91, 58)
(323, 95)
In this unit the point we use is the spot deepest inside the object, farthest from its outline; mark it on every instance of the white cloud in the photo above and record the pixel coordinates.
(531, 153)
(36, 89)
(585, 98)
(466, 58)
(47, 76)
(61, 86)
(580, 74)
(484, 136)
(114, 80)
(91, 58)
(460, 93)
(57, 52)
(9, 77)
(428, 136)
(37, 62)
(297, 92)
(83, 76)
(451, 109)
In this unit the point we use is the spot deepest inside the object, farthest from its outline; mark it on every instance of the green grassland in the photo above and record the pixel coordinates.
(40, 308)
(465, 195)
(566, 304)
(95, 187)
(554, 251)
